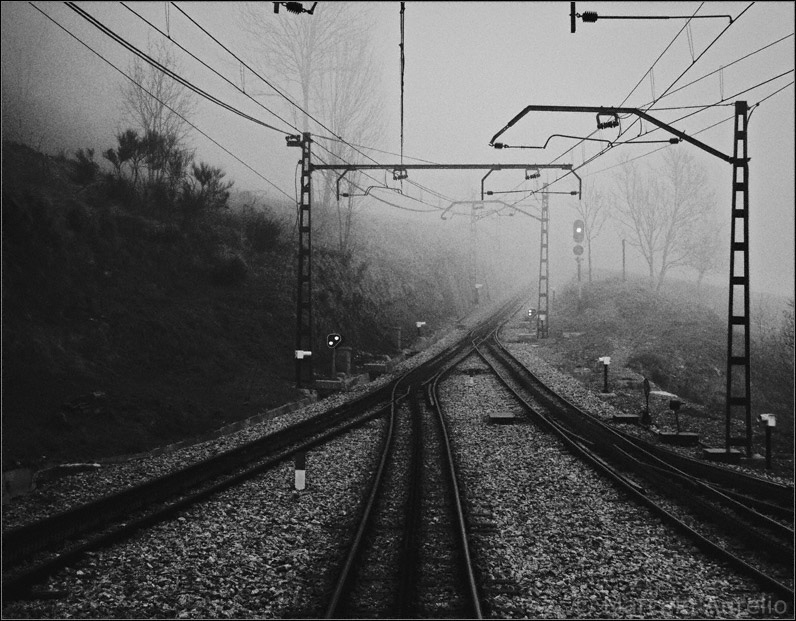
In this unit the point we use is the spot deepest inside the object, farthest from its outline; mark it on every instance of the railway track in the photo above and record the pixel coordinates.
(35, 551)
(753, 542)
(409, 557)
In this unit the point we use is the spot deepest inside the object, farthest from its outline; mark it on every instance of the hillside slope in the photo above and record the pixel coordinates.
(126, 326)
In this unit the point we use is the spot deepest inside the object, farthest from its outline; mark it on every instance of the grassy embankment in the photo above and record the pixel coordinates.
(680, 345)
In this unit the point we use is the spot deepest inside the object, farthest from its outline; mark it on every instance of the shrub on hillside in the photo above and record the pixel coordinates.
(652, 365)
(229, 270)
(83, 170)
(262, 232)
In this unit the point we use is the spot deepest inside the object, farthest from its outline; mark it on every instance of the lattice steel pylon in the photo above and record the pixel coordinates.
(304, 289)
(543, 316)
(738, 360)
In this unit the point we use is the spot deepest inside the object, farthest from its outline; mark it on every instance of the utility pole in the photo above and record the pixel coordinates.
(738, 360)
(303, 351)
(738, 393)
(304, 319)
(474, 253)
(543, 321)
(623, 261)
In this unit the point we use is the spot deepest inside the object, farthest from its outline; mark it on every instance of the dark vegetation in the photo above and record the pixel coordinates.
(150, 303)
(680, 345)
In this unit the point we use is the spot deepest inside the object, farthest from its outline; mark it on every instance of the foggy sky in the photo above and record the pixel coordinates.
(470, 68)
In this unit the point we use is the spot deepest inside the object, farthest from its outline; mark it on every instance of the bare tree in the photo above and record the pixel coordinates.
(297, 48)
(593, 210)
(324, 64)
(350, 110)
(706, 245)
(160, 105)
(659, 209)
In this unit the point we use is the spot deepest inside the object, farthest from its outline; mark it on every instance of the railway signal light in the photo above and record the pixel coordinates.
(333, 340)
(578, 230)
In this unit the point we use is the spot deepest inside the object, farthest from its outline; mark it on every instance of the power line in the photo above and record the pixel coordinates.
(655, 62)
(153, 26)
(717, 104)
(434, 208)
(119, 39)
(737, 60)
(362, 146)
(649, 106)
(701, 54)
(278, 91)
(752, 108)
(101, 57)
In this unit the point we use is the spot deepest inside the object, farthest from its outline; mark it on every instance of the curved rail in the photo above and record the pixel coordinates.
(665, 466)
(583, 447)
(775, 493)
(473, 595)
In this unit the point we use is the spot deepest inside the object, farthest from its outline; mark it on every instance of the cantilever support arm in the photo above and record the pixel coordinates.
(609, 110)
(489, 172)
(580, 184)
(339, 179)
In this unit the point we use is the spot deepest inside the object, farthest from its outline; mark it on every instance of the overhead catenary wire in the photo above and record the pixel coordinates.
(720, 69)
(582, 141)
(277, 90)
(752, 108)
(199, 60)
(648, 106)
(608, 148)
(219, 145)
(147, 58)
(403, 70)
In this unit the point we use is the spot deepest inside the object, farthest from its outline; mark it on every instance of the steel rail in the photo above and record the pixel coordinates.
(19, 584)
(782, 495)
(653, 465)
(21, 542)
(346, 575)
(473, 595)
(588, 454)
(343, 584)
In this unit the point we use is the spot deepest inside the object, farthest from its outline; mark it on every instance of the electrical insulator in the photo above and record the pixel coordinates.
(612, 122)
(498, 145)
(532, 173)
(589, 16)
(294, 7)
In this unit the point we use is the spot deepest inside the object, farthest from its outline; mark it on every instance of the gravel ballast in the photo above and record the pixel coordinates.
(260, 550)
(561, 541)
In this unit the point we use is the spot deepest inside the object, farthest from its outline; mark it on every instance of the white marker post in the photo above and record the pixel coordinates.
(606, 360)
(301, 467)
